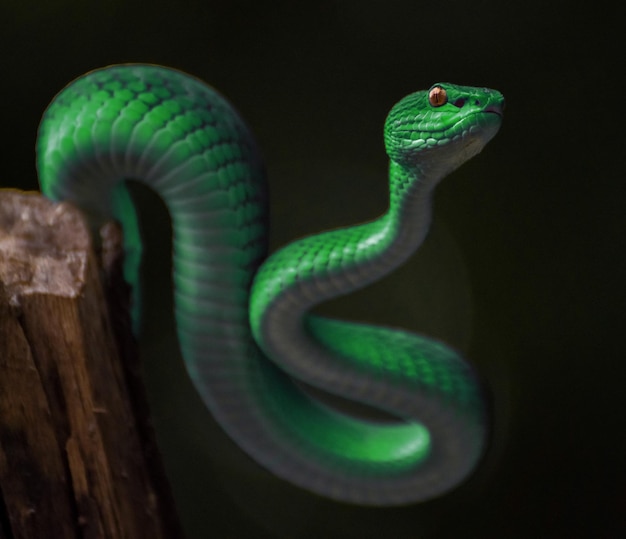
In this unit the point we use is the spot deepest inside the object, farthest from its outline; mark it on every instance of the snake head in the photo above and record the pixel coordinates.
(442, 127)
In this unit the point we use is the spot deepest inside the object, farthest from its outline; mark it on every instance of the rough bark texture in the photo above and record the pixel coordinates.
(77, 452)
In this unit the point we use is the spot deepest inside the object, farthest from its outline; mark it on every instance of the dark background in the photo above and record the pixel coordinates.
(523, 270)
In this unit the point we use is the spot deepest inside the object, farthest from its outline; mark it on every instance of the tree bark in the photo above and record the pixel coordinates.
(77, 452)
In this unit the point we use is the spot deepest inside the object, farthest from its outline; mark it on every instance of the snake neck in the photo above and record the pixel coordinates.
(408, 217)
(335, 263)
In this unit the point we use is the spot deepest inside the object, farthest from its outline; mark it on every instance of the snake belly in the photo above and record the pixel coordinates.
(243, 320)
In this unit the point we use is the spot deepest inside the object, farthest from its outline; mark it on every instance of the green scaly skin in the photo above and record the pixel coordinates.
(243, 324)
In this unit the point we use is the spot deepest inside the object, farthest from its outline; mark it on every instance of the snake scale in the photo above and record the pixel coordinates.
(243, 319)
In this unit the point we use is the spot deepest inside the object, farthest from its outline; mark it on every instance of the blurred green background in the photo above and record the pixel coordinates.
(523, 270)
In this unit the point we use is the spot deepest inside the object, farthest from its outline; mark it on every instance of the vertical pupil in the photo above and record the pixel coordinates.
(437, 96)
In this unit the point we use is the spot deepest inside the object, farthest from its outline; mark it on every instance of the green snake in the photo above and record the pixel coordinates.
(250, 345)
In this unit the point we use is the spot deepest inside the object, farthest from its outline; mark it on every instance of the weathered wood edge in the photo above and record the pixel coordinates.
(77, 451)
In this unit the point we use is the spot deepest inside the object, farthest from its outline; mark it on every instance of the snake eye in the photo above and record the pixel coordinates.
(437, 96)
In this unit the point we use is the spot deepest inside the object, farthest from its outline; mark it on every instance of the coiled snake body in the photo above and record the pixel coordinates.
(242, 320)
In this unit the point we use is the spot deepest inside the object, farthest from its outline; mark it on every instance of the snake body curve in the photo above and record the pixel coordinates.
(243, 320)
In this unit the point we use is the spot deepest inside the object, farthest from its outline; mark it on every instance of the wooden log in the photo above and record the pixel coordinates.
(77, 452)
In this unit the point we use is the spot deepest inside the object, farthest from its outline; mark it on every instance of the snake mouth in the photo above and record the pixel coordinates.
(495, 108)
